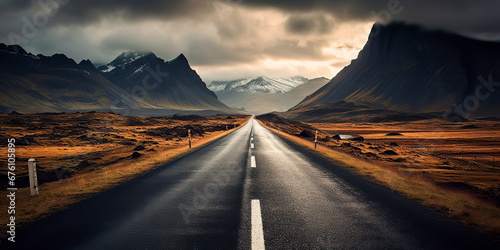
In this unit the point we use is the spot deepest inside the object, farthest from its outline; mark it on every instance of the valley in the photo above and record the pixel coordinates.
(264, 94)
(392, 141)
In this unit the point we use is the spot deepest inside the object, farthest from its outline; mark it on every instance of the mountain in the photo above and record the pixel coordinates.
(136, 85)
(260, 84)
(167, 84)
(37, 83)
(265, 94)
(406, 68)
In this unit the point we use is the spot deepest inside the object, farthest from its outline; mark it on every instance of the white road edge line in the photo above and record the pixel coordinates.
(252, 162)
(257, 231)
(253, 146)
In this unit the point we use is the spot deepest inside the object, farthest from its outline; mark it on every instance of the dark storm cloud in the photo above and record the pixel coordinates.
(476, 18)
(92, 10)
(309, 24)
(472, 17)
(75, 12)
(236, 27)
(13, 5)
(223, 33)
(343, 9)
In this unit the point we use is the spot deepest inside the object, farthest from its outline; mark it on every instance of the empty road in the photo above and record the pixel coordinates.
(251, 189)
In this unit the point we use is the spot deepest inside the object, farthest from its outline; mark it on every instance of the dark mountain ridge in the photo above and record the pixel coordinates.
(409, 69)
(165, 83)
(38, 83)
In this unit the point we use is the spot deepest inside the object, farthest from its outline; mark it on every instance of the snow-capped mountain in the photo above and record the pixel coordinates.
(128, 59)
(260, 84)
(265, 94)
(135, 83)
(170, 84)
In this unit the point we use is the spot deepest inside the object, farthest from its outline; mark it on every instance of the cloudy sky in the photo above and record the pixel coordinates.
(228, 39)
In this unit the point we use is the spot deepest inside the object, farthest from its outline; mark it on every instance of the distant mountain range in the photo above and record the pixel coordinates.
(406, 69)
(260, 84)
(265, 94)
(136, 83)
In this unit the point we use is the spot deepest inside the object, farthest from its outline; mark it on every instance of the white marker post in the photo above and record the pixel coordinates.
(189, 135)
(33, 178)
(316, 139)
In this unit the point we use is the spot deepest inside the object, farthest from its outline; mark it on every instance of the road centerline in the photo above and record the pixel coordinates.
(252, 162)
(257, 230)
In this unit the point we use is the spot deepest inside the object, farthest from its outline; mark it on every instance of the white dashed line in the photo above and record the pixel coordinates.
(257, 231)
(256, 216)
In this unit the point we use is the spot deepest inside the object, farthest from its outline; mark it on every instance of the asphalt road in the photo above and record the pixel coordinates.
(250, 189)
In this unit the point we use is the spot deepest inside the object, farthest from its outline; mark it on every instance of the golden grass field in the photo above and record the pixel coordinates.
(97, 148)
(454, 168)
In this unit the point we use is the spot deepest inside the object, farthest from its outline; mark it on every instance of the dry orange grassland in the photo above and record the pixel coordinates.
(454, 168)
(79, 155)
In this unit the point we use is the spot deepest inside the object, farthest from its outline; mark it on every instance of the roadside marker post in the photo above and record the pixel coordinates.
(189, 135)
(33, 177)
(316, 140)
